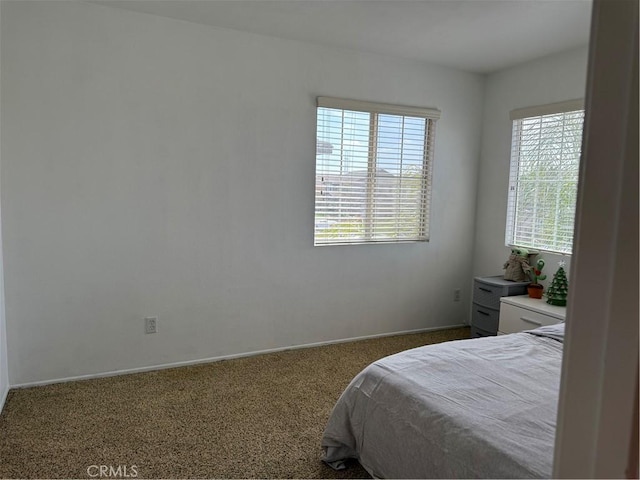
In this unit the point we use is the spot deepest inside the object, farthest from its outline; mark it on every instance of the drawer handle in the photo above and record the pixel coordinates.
(485, 290)
(528, 320)
(482, 313)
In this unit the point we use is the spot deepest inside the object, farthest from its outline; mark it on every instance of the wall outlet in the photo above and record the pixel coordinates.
(456, 295)
(151, 325)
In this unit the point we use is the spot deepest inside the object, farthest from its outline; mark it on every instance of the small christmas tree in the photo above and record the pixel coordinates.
(559, 289)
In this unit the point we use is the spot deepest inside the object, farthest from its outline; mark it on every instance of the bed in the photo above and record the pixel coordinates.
(481, 408)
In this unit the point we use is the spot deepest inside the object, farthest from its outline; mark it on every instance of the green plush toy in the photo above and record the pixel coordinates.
(517, 266)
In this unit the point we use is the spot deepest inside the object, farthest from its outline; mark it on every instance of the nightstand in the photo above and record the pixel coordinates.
(485, 310)
(523, 313)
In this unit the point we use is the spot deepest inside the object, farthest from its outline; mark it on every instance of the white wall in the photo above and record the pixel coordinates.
(4, 370)
(157, 167)
(548, 80)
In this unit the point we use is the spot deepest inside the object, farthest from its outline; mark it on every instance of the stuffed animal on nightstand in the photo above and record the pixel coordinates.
(517, 266)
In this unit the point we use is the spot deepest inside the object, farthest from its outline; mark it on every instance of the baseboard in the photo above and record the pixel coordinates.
(224, 357)
(3, 397)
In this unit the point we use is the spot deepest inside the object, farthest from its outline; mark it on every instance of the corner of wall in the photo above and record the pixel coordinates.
(4, 371)
(481, 143)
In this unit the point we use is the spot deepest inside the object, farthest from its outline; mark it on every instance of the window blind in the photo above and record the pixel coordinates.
(545, 159)
(373, 172)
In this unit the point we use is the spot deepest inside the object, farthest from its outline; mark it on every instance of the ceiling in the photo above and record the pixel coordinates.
(473, 35)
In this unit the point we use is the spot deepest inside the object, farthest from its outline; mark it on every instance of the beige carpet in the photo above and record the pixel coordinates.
(257, 417)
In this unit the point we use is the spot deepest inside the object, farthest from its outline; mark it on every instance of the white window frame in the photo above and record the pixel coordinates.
(529, 234)
(372, 232)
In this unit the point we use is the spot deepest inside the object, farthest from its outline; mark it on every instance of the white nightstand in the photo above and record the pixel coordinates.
(523, 313)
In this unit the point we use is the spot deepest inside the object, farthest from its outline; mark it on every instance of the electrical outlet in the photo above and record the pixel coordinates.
(456, 295)
(151, 325)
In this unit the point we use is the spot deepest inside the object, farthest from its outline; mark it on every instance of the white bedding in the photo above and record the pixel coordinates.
(481, 408)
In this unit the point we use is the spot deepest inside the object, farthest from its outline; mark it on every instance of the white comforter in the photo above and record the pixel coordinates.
(482, 408)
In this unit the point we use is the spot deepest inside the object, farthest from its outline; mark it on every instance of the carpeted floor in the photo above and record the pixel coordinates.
(256, 417)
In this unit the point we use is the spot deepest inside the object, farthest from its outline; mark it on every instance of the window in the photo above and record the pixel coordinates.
(373, 172)
(545, 159)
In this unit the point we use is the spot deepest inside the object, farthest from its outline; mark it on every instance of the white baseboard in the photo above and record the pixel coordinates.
(224, 357)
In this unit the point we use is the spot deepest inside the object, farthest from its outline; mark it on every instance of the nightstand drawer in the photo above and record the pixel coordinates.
(487, 295)
(515, 319)
(488, 290)
(478, 333)
(485, 318)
